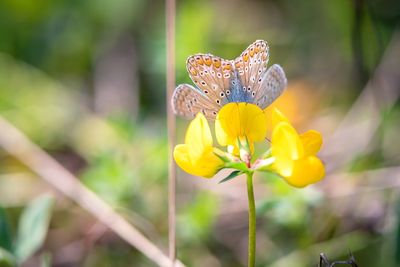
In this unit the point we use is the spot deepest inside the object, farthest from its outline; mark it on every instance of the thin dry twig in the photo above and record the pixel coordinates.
(19, 146)
(170, 39)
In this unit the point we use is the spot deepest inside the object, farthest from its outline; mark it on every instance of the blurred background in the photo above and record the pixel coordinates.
(85, 81)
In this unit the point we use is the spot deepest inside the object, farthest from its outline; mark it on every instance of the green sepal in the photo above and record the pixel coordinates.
(245, 146)
(240, 165)
(225, 157)
(222, 157)
(231, 176)
(263, 165)
(266, 169)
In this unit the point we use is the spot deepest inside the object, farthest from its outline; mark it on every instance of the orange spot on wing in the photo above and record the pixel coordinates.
(208, 61)
(227, 67)
(246, 57)
(199, 60)
(217, 63)
(192, 71)
(252, 52)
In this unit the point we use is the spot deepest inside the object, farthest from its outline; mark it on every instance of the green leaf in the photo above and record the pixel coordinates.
(32, 227)
(5, 232)
(230, 176)
(241, 166)
(7, 259)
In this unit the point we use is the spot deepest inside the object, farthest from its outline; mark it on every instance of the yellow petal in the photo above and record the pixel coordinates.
(205, 166)
(283, 165)
(273, 116)
(253, 121)
(198, 136)
(286, 147)
(312, 141)
(285, 140)
(181, 156)
(306, 171)
(226, 127)
(197, 155)
(238, 121)
(209, 164)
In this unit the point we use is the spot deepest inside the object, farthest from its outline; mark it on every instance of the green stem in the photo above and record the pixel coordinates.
(252, 221)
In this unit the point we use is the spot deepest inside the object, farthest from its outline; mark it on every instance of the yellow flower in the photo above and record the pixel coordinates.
(273, 116)
(239, 124)
(295, 155)
(197, 156)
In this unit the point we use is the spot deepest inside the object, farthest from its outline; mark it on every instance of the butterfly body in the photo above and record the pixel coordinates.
(220, 81)
(239, 92)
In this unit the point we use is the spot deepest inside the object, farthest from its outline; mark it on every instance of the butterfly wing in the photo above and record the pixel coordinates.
(212, 75)
(251, 66)
(272, 85)
(220, 81)
(187, 101)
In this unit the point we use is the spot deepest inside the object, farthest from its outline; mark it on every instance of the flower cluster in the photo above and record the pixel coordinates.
(238, 126)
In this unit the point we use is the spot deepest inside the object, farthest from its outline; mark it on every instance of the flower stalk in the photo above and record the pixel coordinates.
(252, 221)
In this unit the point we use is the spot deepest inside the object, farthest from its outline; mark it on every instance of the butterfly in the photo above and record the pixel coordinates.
(219, 81)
